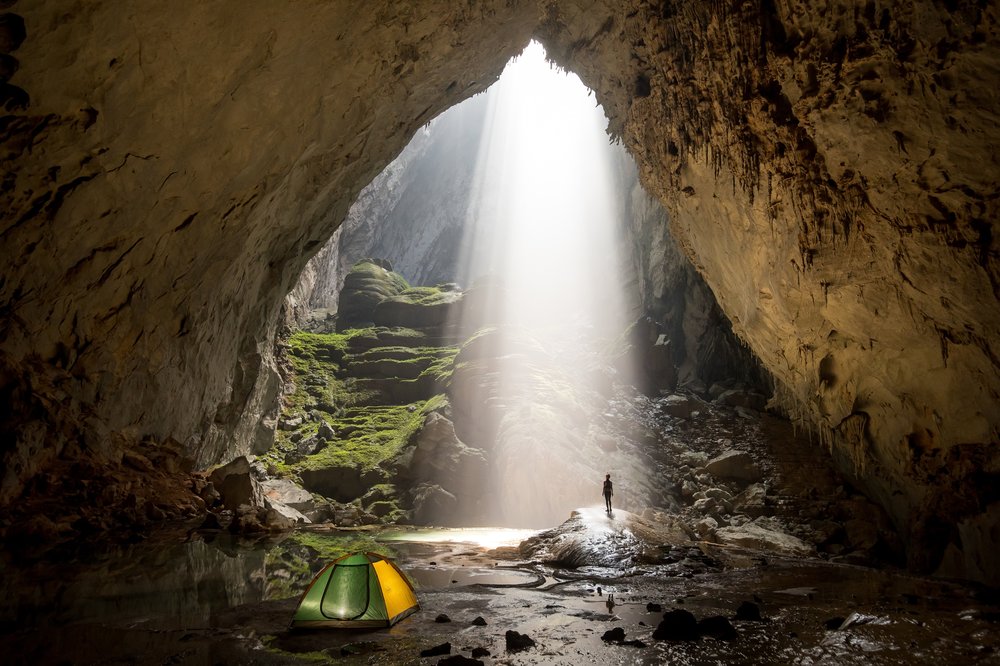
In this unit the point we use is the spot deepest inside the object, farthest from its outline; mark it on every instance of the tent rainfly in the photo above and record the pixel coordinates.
(356, 591)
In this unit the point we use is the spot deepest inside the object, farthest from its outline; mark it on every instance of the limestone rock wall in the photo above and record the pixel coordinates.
(168, 171)
(830, 167)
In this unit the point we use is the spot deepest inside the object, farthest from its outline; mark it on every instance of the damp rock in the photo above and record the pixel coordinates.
(749, 611)
(437, 650)
(677, 625)
(717, 627)
(615, 635)
(517, 642)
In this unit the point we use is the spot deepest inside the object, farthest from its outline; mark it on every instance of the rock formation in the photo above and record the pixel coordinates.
(830, 168)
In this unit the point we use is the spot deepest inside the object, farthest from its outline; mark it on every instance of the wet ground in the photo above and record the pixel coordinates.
(182, 599)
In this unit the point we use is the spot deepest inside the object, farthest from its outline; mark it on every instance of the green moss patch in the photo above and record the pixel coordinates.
(368, 436)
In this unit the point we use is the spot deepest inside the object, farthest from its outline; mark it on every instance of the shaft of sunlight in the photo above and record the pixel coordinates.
(543, 232)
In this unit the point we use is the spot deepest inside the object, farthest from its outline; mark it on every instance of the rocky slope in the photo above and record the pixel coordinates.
(829, 167)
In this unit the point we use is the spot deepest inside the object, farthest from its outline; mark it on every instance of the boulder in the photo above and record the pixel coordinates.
(437, 650)
(433, 505)
(756, 537)
(677, 625)
(460, 660)
(746, 399)
(288, 493)
(279, 512)
(290, 423)
(752, 501)
(517, 642)
(309, 446)
(748, 611)
(370, 282)
(440, 456)
(325, 432)
(616, 635)
(280, 518)
(734, 464)
(706, 527)
(717, 627)
(678, 406)
(236, 484)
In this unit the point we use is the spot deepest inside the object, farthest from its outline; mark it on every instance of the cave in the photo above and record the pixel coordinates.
(827, 171)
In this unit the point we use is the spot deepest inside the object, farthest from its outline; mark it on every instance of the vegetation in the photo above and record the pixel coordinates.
(368, 436)
(372, 385)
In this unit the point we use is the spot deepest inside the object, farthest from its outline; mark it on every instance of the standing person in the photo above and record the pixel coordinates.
(609, 490)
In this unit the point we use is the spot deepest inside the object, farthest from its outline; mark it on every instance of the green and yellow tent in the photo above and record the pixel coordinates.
(356, 591)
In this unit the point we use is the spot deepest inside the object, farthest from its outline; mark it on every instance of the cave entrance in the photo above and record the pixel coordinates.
(516, 200)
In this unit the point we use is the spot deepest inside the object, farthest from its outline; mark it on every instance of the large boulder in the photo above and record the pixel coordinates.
(433, 505)
(288, 493)
(370, 282)
(738, 465)
(758, 537)
(439, 454)
(282, 516)
(236, 485)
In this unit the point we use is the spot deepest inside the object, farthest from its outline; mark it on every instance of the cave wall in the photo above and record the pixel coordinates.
(830, 168)
(169, 169)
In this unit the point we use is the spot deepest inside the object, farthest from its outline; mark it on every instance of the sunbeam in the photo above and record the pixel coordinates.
(541, 247)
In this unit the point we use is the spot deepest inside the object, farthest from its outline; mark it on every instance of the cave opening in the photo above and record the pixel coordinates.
(512, 209)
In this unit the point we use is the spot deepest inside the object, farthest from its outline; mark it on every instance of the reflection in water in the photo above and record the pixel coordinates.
(174, 584)
(228, 594)
(184, 582)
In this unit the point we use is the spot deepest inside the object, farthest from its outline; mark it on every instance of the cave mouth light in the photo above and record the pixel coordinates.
(544, 222)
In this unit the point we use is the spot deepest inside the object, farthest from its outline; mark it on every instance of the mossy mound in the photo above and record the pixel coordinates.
(374, 294)
(367, 285)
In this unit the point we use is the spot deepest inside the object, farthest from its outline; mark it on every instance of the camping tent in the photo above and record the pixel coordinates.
(356, 591)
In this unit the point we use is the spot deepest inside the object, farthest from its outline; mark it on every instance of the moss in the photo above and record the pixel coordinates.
(427, 296)
(367, 436)
(443, 367)
(328, 547)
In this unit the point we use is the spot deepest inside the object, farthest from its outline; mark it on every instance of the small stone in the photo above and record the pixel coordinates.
(437, 650)
(634, 643)
(479, 621)
(517, 642)
(748, 610)
(325, 432)
(677, 625)
(654, 608)
(460, 660)
(616, 635)
(717, 627)
(480, 652)
(442, 618)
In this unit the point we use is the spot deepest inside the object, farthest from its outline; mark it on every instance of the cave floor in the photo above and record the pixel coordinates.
(108, 611)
